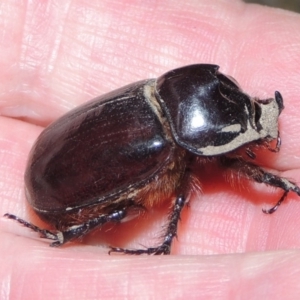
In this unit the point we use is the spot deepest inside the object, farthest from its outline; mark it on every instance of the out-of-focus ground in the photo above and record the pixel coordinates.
(285, 4)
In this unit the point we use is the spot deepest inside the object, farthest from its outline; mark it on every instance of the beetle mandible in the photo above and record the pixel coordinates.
(121, 153)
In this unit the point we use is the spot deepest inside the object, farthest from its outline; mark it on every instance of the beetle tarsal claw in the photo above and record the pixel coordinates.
(275, 207)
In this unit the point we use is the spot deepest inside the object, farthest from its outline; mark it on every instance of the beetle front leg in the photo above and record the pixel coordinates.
(73, 232)
(259, 175)
(171, 232)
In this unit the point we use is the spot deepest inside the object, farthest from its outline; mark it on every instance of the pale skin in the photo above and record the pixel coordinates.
(55, 56)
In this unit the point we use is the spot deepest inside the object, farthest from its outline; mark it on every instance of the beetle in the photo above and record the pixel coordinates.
(120, 154)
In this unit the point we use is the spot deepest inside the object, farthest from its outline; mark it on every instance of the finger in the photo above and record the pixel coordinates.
(94, 276)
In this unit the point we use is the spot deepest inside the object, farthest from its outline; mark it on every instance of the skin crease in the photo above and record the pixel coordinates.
(58, 54)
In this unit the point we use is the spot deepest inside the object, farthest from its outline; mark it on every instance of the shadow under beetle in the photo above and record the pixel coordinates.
(120, 154)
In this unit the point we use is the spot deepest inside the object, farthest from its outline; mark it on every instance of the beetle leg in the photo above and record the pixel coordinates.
(73, 232)
(259, 175)
(44, 233)
(77, 231)
(171, 232)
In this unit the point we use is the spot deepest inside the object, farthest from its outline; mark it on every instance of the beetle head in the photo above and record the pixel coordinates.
(210, 115)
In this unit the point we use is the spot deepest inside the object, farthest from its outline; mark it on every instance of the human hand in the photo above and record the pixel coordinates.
(56, 56)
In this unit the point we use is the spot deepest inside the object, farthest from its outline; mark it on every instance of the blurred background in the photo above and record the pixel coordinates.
(286, 4)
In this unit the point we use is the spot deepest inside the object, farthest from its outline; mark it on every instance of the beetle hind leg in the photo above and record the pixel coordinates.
(44, 233)
(171, 232)
(256, 173)
(73, 232)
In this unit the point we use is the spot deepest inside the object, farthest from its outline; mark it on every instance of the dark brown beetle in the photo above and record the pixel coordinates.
(121, 153)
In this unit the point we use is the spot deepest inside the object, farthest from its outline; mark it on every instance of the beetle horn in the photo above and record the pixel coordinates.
(279, 101)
